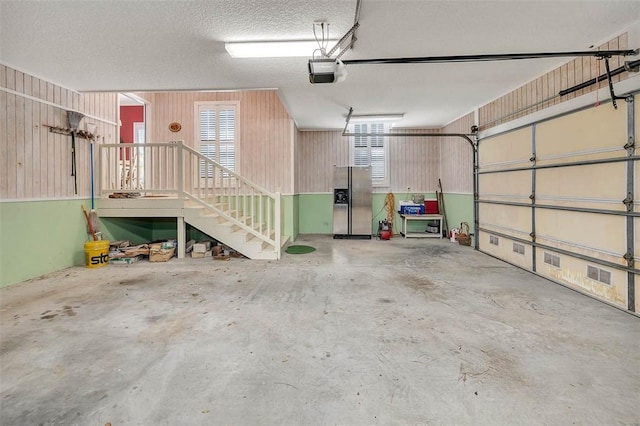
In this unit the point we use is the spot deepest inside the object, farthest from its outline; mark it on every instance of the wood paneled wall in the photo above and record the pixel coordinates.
(413, 161)
(541, 92)
(265, 131)
(316, 154)
(456, 157)
(35, 163)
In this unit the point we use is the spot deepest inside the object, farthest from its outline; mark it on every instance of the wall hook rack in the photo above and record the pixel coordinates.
(67, 131)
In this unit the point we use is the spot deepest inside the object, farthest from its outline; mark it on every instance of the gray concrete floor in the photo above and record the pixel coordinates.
(358, 332)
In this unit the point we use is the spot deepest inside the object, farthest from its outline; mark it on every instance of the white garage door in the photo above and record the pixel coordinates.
(556, 198)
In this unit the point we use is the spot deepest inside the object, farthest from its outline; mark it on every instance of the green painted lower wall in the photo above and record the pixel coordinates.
(295, 217)
(196, 235)
(289, 204)
(146, 229)
(459, 208)
(316, 211)
(38, 237)
(136, 230)
(164, 228)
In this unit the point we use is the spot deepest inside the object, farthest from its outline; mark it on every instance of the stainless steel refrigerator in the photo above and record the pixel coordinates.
(352, 214)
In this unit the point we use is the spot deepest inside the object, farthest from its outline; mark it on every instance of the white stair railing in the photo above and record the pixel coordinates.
(176, 169)
(247, 205)
(139, 167)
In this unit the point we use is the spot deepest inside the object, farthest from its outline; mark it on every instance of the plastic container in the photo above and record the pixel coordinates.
(431, 206)
(96, 253)
(412, 209)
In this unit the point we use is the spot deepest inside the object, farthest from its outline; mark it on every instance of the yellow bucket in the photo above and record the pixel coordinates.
(97, 253)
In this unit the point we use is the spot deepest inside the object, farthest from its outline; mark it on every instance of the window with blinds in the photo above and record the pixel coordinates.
(371, 151)
(217, 124)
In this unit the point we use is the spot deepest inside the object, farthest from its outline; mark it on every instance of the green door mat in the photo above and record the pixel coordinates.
(299, 249)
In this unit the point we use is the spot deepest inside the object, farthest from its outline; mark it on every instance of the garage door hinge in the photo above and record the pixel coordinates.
(533, 236)
(628, 256)
(533, 158)
(628, 202)
(532, 197)
(631, 143)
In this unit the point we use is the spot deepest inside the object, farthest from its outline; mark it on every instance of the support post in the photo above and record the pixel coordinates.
(181, 237)
(180, 169)
(278, 224)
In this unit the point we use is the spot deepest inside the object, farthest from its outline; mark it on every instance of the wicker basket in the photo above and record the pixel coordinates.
(463, 238)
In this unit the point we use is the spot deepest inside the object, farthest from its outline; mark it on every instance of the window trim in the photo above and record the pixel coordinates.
(383, 183)
(196, 127)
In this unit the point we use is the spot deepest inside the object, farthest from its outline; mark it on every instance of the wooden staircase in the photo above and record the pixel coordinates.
(231, 232)
(178, 181)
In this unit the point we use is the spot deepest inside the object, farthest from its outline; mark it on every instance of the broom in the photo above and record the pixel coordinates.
(93, 216)
(445, 226)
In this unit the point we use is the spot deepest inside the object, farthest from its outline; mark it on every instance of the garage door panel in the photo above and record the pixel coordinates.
(508, 186)
(583, 250)
(591, 130)
(590, 234)
(581, 156)
(508, 150)
(579, 274)
(510, 220)
(599, 186)
(502, 247)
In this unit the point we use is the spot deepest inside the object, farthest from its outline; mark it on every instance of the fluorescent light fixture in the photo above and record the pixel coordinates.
(275, 49)
(377, 117)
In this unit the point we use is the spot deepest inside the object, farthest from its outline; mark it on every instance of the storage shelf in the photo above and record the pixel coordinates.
(421, 218)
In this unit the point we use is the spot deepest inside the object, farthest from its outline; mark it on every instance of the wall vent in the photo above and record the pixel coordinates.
(494, 240)
(598, 274)
(552, 259)
(518, 248)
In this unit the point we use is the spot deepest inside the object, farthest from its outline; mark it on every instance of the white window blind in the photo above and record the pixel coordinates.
(371, 151)
(217, 124)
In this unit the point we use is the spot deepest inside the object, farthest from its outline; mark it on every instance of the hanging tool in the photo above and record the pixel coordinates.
(440, 196)
(74, 118)
(93, 216)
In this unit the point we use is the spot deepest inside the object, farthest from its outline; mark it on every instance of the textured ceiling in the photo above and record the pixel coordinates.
(179, 45)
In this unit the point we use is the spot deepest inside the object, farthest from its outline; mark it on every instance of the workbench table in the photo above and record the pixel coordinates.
(421, 217)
